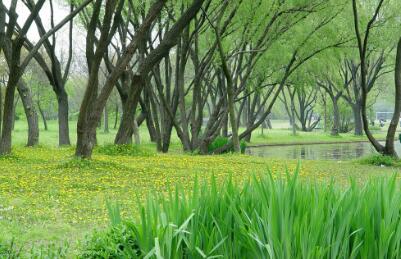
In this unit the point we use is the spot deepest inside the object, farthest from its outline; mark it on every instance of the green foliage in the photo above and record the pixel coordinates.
(9, 250)
(221, 141)
(124, 150)
(264, 218)
(380, 160)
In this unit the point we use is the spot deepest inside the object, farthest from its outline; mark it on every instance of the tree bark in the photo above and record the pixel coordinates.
(335, 130)
(1, 106)
(62, 115)
(30, 112)
(116, 117)
(8, 116)
(389, 147)
(42, 114)
(358, 127)
(125, 131)
(106, 120)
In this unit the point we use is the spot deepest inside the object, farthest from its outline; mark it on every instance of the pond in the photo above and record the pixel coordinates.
(338, 151)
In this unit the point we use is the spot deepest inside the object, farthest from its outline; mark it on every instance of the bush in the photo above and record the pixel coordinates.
(380, 160)
(123, 150)
(264, 218)
(221, 141)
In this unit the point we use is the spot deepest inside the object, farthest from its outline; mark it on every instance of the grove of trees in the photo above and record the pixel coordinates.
(199, 69)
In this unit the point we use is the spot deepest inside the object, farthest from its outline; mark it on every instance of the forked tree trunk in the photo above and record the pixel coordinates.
(30, 112)
(125, 131)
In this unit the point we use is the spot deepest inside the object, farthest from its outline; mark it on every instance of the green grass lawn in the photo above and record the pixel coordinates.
(279, 135)
(51, 196)
(48, 196)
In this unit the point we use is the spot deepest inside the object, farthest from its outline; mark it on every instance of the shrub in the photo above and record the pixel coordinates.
(380, 160)
(221, 141)
(264, 218)
(123, 150)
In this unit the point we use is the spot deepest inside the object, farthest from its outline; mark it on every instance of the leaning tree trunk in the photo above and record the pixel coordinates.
(63, 127)
(389, 147)
(30, 112)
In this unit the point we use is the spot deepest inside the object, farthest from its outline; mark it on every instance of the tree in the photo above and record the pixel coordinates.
(13, 43)
(56, 75)
(363, 44)
(93, 103)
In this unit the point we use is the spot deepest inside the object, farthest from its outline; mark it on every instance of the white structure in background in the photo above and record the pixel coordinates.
(384, 115)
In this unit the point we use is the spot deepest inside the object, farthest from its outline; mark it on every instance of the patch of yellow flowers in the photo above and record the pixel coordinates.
(48, 186)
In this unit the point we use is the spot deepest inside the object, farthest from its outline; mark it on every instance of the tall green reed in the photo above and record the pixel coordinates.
(263, 218)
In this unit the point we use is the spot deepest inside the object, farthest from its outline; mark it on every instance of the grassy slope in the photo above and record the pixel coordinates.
(54, 196)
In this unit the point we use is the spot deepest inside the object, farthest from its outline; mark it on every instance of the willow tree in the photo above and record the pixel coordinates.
(95, 99)
(380, 15)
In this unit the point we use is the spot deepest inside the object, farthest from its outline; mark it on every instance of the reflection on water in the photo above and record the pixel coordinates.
(343, 151)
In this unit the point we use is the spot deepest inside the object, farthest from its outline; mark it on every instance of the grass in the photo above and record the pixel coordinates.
(263, 218)
(47, 195)
(279, 135)
(379, 160)
(283, 136)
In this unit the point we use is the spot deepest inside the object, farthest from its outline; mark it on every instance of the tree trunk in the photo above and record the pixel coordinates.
(116, 118)
(356, 109)
(8, 116)
(125, 131)
(63, 126)
(137, 136)
(106, 120)
(336, 118)
(30, 112)
(1, 107)
(389, 147)
(225, 126)
(85, 142)
(42, 114)
(292, 119)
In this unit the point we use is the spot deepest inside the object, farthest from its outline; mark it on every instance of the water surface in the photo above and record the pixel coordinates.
(343, 151)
